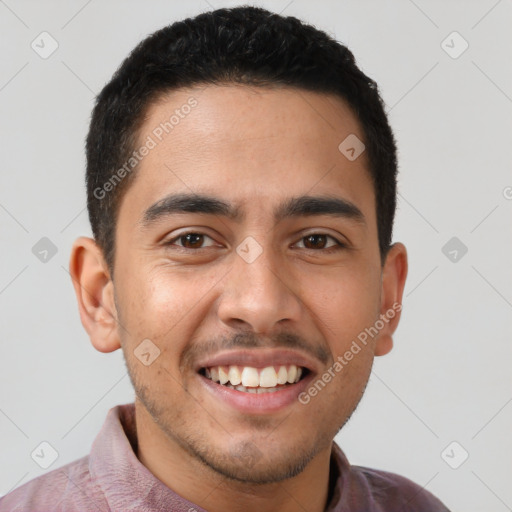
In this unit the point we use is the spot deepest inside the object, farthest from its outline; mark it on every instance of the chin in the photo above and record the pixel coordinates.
(250, 466)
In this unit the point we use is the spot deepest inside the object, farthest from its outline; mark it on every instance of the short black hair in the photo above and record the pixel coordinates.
(243, 45)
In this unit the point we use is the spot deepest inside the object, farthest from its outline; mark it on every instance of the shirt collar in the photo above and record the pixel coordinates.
(128, 485)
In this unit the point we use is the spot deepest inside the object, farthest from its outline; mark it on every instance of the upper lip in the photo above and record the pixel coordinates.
(258, 358)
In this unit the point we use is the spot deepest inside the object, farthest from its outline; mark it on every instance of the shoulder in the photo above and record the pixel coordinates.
(393, 492)
(69, 488)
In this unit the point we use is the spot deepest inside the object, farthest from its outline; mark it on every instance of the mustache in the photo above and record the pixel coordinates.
(250, 339)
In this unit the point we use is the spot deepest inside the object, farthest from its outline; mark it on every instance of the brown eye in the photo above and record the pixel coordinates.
(190, 240)
(315, 241)
(318, 241)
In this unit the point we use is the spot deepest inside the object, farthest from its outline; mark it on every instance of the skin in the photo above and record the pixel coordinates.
(254, 147)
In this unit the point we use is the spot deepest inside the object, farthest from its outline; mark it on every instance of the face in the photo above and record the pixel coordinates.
(246, 247)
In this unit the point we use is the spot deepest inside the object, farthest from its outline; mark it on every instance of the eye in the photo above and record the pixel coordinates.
(190, 240)
(318, 241)
(194, 240)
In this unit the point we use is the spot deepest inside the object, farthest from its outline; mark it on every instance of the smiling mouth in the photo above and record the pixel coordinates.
(255, 380)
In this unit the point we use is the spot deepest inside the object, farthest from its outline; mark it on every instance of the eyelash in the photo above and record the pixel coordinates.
(339, 245)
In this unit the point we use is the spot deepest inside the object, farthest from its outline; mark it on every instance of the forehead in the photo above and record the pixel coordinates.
(249, 145)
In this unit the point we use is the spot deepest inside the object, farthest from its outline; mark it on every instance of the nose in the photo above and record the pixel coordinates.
(260, 294)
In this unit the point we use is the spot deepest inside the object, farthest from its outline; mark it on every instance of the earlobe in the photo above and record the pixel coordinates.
(94, 291)
(394, 276)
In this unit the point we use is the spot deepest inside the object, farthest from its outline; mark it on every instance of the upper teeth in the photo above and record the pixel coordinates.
(248, 376)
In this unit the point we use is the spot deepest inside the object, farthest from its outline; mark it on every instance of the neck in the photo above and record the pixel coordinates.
(201, 485)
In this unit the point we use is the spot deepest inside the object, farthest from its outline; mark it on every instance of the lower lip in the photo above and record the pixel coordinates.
(257, 403)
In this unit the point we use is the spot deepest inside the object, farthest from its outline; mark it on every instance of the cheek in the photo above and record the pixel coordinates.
(163, 304)
(345, 302)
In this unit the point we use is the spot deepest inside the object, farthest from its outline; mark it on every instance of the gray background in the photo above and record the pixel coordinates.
(448, 377)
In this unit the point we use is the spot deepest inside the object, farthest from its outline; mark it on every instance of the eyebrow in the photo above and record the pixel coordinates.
(302, 206)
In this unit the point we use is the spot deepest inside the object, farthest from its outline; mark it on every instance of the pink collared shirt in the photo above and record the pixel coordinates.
(111, 478)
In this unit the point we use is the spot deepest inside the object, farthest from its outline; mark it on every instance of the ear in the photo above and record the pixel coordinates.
(94, 291)
(394, 275)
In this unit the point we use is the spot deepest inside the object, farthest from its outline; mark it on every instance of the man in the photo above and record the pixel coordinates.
(241, 178)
